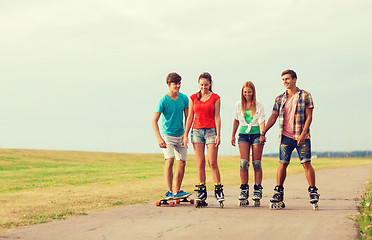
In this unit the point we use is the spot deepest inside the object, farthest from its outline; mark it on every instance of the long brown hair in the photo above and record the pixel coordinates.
(250, 85)
(209, 78)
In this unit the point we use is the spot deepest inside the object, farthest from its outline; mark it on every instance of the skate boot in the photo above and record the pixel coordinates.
(257, 195)
(276, 202)
(314, 197)
(201, 195)
(244, 194)
(218, 192)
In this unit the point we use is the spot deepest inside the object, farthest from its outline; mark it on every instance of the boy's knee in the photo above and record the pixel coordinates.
(181, 163)
(307, 165)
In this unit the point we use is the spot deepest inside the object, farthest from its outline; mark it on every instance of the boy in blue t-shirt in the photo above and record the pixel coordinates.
(173, 106)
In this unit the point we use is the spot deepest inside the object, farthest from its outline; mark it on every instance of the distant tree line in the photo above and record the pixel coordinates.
(329, 154)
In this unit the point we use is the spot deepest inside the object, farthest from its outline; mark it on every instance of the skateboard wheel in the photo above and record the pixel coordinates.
(158, 203)
(178, 201)
(172, 204)
(221, 204)
(191, 201)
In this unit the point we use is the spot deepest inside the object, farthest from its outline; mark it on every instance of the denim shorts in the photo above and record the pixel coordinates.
(287, 146)
(175, 148)
(251, 139)
(204, 135)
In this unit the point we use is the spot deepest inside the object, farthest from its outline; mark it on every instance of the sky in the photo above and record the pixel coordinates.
(87, 75)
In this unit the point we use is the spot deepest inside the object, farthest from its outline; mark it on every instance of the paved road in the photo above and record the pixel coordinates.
(339, 191)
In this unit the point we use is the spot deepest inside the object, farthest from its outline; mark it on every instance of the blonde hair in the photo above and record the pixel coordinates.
(250, 85)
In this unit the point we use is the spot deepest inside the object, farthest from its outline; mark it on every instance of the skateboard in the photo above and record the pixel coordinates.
(173, 201)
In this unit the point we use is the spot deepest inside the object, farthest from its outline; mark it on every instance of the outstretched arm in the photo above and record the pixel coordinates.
(271, 122)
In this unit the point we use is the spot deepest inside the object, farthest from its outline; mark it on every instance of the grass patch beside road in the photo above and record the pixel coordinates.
(38, 186)
(364, 217)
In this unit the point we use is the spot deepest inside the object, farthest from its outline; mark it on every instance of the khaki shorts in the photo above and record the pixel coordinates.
(174, 149)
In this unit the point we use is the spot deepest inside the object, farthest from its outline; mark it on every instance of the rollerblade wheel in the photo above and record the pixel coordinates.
(257, 203)
(315, 206)
(221, 204)
(200, 204)
(243, 203)
(278, 205)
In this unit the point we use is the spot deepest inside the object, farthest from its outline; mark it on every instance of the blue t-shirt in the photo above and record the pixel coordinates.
(172, 114)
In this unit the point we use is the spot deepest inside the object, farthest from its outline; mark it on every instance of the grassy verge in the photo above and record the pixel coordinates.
(364, 217)
(38, 186)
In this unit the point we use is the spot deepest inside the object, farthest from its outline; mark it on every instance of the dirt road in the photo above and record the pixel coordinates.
(339, 190)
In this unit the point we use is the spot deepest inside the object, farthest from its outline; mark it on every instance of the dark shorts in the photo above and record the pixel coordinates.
(251, 139)
(287, 146)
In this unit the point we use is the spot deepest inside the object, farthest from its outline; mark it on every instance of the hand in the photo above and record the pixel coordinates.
(301, 140)
(262, 139)
(185, 141)
(233, 141)
(162, 143)
(217, 141)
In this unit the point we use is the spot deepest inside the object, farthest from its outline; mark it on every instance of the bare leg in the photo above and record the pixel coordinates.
(310, 173)
(244, 154)
(200, 159)
(168, 172)
(257, 156)
(180, 171)
(212, 160)
(281, 173)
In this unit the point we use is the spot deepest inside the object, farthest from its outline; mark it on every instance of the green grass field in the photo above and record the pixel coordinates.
(38, 186)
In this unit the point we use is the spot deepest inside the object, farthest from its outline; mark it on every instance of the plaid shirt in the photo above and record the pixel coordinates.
(303, 101)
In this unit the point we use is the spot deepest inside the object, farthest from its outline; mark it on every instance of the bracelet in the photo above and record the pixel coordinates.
(263, 133)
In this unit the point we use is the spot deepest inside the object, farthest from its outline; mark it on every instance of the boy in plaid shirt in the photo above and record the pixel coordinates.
(295, 111)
